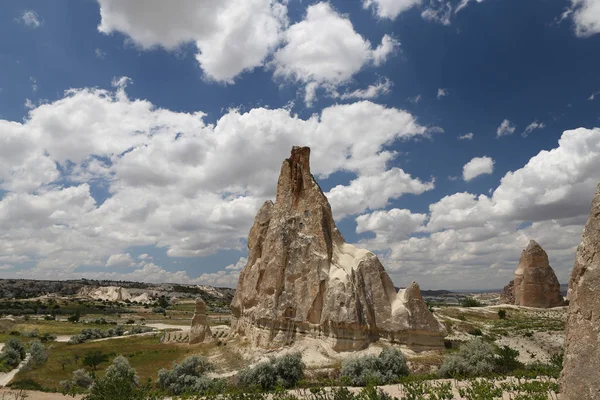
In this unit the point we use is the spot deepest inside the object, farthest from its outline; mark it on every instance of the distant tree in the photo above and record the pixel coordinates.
(470, 302)
(94, 358)
(502, 314)
(163, 302)
(74, 318)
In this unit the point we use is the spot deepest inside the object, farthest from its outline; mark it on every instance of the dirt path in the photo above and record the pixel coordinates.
(6, 377)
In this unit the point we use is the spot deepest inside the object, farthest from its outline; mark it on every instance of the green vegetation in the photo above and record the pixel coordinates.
(186, 377)
(284, 371)
(145, 353)
(470, 302)
(383, 369)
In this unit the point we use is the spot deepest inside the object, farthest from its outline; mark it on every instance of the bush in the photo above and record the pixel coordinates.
(384, 369)
(119, 382)
(502, 314)
(16, 345)
(82, 378)
(474, 358)
(470, 302)
(158, 310)
(81, 381)
(475, 332)
(289, 369)
(507, 359)
(38, 352)
(11, 358)
(262, 374)
(187, 377)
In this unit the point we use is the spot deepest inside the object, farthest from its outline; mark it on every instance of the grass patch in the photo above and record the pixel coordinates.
(145, 353)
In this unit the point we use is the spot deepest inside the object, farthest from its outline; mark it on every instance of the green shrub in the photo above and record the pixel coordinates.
(502, 314)
(507, 359)
(13, 343)
(474, 358)
(470, 302)
(289, 369)
(38, 352)
(386, 368)
(119, 382)
(186, 377)
(262, 375)
(475, 332)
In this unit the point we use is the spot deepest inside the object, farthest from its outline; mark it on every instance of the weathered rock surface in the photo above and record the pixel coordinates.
(508, 295)
(535, 284)
(581, 367)
(302, 278)
(200, 331)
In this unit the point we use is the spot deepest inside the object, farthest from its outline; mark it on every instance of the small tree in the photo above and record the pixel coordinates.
(502, 314)
(119, 382)
(74, 318)
(94, 358)
(38, 352)
(470, 302)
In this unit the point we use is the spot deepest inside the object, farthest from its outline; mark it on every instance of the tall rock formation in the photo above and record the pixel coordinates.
(581, 367)
(200, 331)
(302, 278)
(535, 284)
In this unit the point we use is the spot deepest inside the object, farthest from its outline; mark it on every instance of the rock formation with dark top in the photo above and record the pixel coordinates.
(581, 367)
(200, 331)
(302, 278)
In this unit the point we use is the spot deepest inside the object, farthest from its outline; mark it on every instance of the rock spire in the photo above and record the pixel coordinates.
(302, 278)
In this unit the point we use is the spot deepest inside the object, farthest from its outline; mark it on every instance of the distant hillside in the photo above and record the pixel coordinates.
(28, 288)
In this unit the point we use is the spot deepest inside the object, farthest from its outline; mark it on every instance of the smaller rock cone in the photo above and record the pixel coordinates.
(535, 283)
(200, 331)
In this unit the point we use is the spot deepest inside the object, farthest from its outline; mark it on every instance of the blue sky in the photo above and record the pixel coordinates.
(138, 140)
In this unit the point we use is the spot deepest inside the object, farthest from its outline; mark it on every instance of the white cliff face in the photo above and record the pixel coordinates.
(302, 278)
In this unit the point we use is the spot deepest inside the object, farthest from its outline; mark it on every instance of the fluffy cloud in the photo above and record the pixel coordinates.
(505, 129)
(172, 180)
(466, 136)
(390, 8)
(30, 19)
(231, 36)
(327, 59)
(533, 126)
(586, 17)
(477, 166)
(440, 13)
(120, 260)
(374, 191)
(442, 93)
(548, 200)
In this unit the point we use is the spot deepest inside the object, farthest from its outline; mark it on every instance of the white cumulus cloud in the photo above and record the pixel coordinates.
(231, 36)
(329, 58)
(478, 166)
